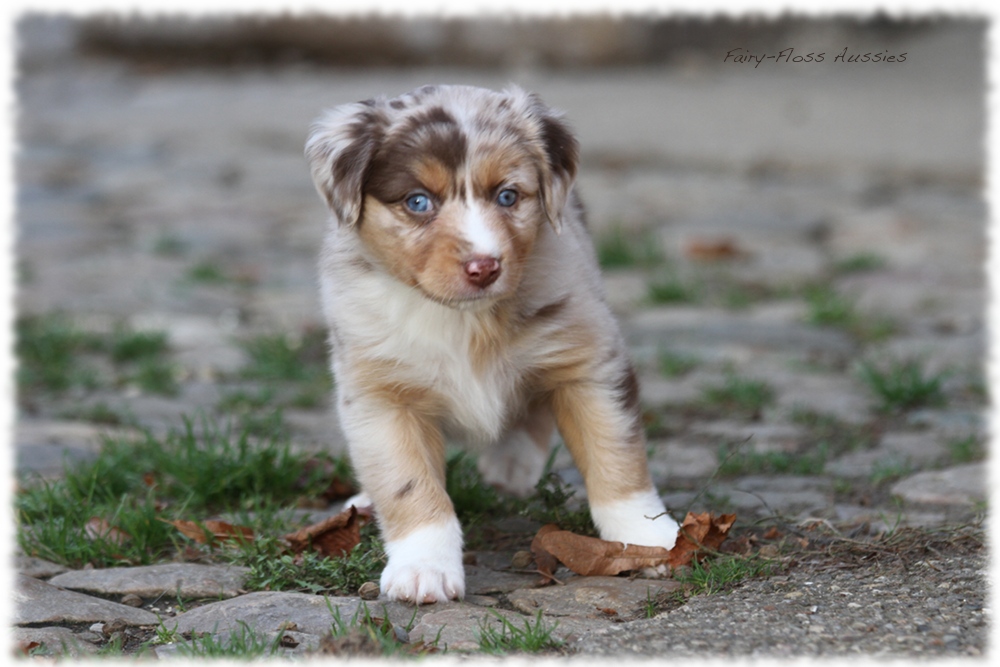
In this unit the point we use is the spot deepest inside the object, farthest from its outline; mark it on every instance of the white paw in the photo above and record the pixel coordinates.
(426, 565)
(514, 464)
(632, 521)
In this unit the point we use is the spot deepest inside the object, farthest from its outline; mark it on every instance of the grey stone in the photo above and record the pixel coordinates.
(37, 567)
(756, 437)
(593, 597)
(710, 326)
(671, 459)
(949, 423)
(898, 449)
(54, 641)
(184, 580)
(460, 630)
(268, 612)
(486, 581)
(776, 494)
(833, 395)
(959, 485)
(662, 392)
(45, 447)
(38, 602)
(456, 629)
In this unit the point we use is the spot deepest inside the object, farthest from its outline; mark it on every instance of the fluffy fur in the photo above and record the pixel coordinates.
(464, 299)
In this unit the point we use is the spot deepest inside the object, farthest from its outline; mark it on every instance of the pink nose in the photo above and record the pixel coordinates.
(482, 271)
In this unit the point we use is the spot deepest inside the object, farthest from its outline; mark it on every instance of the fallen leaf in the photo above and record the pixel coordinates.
(333, 537)
(99, 529)
(204, 532)
(699, 534)
(545, 562)
(590, 556)
(772, 533)
(27, 647)
(714, 249)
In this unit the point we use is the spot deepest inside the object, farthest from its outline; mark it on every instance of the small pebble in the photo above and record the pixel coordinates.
(132, 600)
(521, 560)
(369, 590)
(113, 626)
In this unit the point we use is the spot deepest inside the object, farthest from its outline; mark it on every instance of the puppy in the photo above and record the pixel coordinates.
(464, 299)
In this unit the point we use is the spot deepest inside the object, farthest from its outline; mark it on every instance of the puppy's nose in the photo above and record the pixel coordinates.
(482, 270)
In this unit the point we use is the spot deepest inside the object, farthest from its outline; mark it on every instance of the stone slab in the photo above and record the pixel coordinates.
(960, 485)
(593, 597)
(37, 602)
(184, 580)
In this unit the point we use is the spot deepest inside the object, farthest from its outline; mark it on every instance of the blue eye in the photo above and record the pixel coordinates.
(418, 203)
(507, 198)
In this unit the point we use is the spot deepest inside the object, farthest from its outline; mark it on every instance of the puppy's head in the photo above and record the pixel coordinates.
(446, 186)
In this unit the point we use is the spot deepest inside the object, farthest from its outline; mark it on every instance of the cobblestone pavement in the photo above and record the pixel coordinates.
(808, 220)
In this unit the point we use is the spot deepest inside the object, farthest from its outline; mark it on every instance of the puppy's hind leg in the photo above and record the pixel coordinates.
(515, 463)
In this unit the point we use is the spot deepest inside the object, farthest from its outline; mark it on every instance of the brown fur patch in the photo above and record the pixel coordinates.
(549, 310)
(628, 396)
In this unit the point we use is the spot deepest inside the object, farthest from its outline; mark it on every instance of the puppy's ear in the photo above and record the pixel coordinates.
(562, 154)
(340, 149)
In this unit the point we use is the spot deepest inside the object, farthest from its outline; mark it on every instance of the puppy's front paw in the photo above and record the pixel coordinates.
(426, 565)
(640, 519)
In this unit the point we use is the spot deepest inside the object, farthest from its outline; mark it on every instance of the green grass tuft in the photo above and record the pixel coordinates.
(49, 349)
(243, 644)
(618, 249)
(903, 385)
(722, 572)
(861, 262)
(206, 272)
(271, 569)
(742, 395)
(671, 289)
(507, 637)
(134, 482)
(672, 364)
(735, 463)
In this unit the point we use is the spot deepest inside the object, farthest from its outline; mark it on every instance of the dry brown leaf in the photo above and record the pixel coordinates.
(26, 647)
(99, 529)
(334, 537)
(698, 533)
(545, 562)
(714, 249)
(591, 556)
(204, 532)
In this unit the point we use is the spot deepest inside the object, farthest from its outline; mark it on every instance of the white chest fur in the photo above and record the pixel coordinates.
(433, 346)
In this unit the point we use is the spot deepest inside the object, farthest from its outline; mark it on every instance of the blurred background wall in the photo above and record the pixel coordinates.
(580, 42)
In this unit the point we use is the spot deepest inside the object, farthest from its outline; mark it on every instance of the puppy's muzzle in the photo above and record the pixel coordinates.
(482, 270)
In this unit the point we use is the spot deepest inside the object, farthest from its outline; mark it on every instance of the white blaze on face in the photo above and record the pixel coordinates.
(476, 229)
